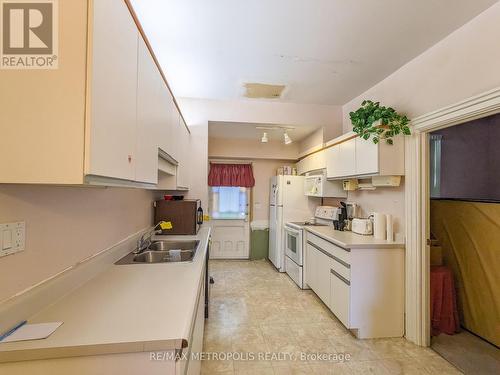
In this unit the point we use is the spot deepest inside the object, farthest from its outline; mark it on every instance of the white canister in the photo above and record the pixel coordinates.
(390, 228)
(379, 226)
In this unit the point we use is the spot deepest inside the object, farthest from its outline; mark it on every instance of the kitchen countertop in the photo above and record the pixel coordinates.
(350, 240)
(127, 308)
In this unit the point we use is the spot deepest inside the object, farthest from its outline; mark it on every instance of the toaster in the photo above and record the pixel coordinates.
(362, 226)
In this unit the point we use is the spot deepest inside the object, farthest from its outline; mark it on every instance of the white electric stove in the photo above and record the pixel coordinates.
(295, 242)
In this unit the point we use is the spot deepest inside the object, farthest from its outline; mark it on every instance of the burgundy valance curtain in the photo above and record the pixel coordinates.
(231, 175)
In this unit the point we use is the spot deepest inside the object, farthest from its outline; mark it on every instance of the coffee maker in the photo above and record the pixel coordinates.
(346, 212)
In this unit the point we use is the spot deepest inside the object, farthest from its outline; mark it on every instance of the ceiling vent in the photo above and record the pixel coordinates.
(263, 91)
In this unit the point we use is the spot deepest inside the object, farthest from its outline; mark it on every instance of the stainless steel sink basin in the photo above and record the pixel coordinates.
(151, 257)
(166, 245)
(164, 251)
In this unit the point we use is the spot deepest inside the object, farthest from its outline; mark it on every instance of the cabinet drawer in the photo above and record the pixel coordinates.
(343, 255)
(340, 267)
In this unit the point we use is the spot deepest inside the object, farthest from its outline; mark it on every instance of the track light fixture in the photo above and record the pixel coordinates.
(287, 138)
(264, 138)
(270, 128)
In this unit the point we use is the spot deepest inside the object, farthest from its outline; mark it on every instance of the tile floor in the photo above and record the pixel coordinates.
(469, 353)
(257, 312)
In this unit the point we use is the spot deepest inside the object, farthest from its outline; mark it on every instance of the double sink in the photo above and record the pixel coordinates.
(163, 251)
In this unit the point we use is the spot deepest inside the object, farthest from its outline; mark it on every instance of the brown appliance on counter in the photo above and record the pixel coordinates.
(186, 216)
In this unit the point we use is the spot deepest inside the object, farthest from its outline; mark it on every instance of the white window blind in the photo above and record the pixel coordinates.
(228, 202)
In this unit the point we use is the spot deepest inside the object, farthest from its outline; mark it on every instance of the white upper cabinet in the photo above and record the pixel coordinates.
(102, 115)
(332, 162)
(184, 154)
(366, 157)
(341, 159)
(175, 146)
(312, 162)
(133, 113)
(348, 157)
(149, 119)
(111, 137)
(166, 107)
(357, 157)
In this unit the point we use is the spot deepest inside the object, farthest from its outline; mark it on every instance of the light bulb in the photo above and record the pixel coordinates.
(287, 138)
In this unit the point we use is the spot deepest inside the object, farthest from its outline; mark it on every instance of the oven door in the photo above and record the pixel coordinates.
(293, 244)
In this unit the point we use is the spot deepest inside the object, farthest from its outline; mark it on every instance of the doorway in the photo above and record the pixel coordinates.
(417, 198)
(464, 227)
(229, 214)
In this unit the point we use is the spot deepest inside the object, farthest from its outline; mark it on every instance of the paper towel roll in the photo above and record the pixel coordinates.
(379, 226)
(390, 227)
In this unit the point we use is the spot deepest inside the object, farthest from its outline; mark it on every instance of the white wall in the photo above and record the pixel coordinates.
(464, 64)
(312, 142)
(65, 225)
(251, 149)
(257, 111)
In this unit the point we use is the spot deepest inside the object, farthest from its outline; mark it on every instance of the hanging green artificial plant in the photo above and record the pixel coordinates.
(377, 122)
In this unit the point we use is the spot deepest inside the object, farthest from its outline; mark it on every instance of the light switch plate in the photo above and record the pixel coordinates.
(12, 237)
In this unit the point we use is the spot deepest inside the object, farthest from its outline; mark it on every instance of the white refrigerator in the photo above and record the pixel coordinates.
(287, 202)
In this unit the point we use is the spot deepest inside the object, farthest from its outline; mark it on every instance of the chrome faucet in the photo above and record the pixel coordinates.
(145, 240)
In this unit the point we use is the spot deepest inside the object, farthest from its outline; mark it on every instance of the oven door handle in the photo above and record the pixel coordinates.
(292, 231)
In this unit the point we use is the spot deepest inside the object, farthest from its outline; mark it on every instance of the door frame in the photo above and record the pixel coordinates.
(417, 199)
(229, 222)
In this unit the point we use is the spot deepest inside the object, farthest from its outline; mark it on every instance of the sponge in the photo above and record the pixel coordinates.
(166, 225)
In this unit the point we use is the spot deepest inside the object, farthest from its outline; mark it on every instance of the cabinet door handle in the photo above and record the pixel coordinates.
(347, 265)
(339, 276)
(330, 242)
(329, 255)
(320, 249)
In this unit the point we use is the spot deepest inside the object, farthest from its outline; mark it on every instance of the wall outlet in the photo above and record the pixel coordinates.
(12, 236)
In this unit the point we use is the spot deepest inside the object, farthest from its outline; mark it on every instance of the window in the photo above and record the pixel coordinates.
(435, 165)
(227, 202)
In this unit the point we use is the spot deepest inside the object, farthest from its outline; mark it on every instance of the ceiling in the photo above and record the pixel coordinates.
(242, 130)
(324, 51)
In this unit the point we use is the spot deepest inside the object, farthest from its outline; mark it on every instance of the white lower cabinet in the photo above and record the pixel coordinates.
(322, 276)
(310, 266)
(151, 362)
(340, 297)
(364, 288)
(195, 347)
